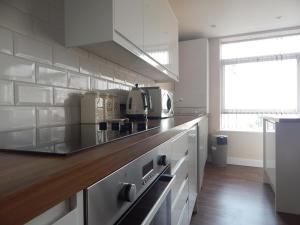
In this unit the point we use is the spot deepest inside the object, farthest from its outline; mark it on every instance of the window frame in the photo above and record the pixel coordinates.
(233, 61)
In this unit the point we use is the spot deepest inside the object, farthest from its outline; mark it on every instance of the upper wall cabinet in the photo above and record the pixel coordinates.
(141, 35)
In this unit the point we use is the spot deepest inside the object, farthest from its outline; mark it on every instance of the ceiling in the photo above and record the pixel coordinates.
(219, 18)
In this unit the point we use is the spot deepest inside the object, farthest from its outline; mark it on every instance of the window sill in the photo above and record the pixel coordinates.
(241, 131)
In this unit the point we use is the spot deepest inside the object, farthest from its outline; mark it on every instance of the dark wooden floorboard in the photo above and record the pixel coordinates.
(236, 195)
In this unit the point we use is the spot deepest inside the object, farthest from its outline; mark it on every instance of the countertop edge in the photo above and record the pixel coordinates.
(41, 199)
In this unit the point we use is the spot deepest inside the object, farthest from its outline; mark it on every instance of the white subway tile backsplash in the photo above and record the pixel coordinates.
(67, 97)
(49, 135)
(16, 117)
(18, 139)
(112, 85)
(35, 71)
(88, 66)
(98, 84)
(51, 76)
(6, 41)
(40, 9)
(15, 19)
(65, 59)
(22, 5)
(106, 70)
(6, 92)
(32, 49)
(48, 116)
(78, 81)
(13, 68)
(27, 94)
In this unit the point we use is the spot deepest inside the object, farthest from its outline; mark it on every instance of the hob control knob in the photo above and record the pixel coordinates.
(128, 192)
(163, 160)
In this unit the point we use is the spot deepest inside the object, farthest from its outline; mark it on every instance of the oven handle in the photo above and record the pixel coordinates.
(148, 219)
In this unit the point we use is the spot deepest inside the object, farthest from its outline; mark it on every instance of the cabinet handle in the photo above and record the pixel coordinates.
(187, 176)
(186, 152)
(187, 199)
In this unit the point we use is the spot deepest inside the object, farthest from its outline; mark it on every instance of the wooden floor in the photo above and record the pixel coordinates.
(236, 195)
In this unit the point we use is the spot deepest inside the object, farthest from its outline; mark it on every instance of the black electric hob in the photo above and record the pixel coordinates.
(64, 140)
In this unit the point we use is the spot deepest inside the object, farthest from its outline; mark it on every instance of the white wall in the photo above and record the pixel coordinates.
(244, 148)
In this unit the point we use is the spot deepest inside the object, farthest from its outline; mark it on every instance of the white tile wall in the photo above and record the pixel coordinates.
(29, 94)
(88, 66)
(14, 19)
(41, 81)
(51, 134)
(16, 117)
(78, 81)
(98, 84)
(51, 76)
(32, 49)
(67, 97)
(18, 139)
(51, 116)
(63, 58)
(6, 41)
(6, 92)
(13, 68)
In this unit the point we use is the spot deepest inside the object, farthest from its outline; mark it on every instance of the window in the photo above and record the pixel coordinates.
(257, 81)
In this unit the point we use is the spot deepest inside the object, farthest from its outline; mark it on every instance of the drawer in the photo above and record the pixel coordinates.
(68, 212)
(181, 172)
(179, 148)
(184, 216)
(180, 201)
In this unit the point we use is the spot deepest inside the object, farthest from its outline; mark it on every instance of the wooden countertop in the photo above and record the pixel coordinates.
(30, 184)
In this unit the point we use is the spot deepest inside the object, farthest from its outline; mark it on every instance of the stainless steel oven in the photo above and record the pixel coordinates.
(136, 194)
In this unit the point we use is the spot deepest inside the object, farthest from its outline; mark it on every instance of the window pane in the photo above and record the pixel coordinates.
(272, 46)
(261, 86)
(242, 122)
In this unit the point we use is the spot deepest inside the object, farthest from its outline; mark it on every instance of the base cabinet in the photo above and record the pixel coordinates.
(281, 162)
(68, 212)
(188, 157)
(202, 149)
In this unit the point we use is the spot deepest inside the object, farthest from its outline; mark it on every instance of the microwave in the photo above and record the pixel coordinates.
(161, 102)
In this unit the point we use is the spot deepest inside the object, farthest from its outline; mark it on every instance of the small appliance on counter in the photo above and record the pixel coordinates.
(97, 107)
(137, 104)
(162, 102)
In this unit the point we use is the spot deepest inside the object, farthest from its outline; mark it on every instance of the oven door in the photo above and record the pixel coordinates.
(153, 207)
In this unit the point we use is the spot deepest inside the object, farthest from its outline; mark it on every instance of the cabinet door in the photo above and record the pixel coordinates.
(202, 148)
(153, 15)
(170, 37)
(128, 20)
(68, 212)
(192, 170)
(270, 152)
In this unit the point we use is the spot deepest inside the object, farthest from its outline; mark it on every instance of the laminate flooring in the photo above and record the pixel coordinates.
(236, 195)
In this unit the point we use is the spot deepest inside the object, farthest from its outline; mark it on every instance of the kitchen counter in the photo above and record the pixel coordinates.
(284, 118)
(31, 183)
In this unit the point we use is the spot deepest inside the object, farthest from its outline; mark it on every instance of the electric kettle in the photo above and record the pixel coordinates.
(138, 104)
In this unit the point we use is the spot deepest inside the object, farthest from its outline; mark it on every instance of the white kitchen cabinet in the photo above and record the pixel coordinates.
(193, 169)
(68, 212)
(184, 164)
(193, 70)
(161, 34)
(202, 149)
(137, 34)
(281, 162)
(129, 12)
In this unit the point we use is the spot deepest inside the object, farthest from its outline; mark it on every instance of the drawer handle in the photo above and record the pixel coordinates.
(187, 199)
(187, 176)
(186, 152)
